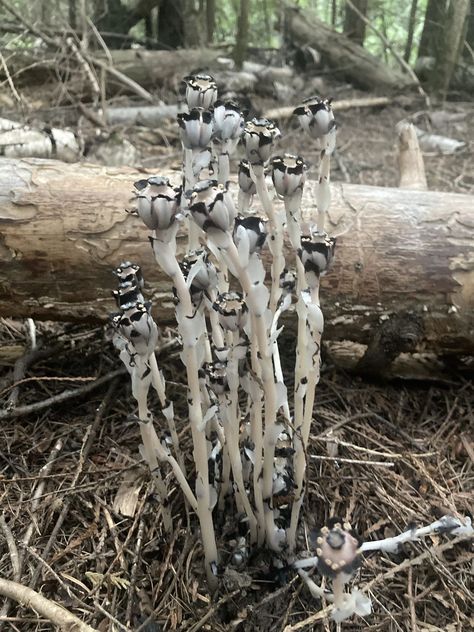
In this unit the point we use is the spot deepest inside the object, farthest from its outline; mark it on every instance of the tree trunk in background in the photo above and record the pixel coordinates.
(450, 44)
(411, 29)
(241, 42)
(333, 12)
(354, 26)
(72, 17)
(210, 20)
(171, 30)
(432, 28)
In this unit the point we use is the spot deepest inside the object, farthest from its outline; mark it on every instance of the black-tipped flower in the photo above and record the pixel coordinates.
(157, 202)
(216, 376)
(137, 326)
(337, 548)
(196, 128)
(246, 184)
(316, 253)
(129, 273)
(228, 121)
(316, 116)
(212, 207)
(253, 230)
(259, 136)
(232, 310)
(288, 281)
(288, 174)
(201, 91)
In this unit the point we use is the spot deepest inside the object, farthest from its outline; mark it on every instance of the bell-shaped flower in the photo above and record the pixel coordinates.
(337, 548)
(259, 136)
(129, 273)
(316, 116)
(232, 310)
(196, 128)
(201, 91)
(250, 233)
(316, 253)
(211, 206)
(136, 325)
(158, 202)
(228, 121)
(288, 174)
(246, 183)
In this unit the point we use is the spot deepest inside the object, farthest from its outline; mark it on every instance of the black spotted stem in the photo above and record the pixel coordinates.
(270, 397)
(184, 315)
(232, 433)
(276, 234)
(140, 388)
(158, 384)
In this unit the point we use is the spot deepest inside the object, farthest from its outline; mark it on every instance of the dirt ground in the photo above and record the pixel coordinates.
(69, 463)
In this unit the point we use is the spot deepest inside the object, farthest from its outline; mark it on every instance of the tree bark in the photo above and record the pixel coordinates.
(241, 42)
(411, 30)
(347, 59)
(354, 27)
(449, 51)
(210, 20)
(432, 28)
(398, 252)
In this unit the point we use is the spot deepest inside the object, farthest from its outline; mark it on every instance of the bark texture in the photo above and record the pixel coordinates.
(63, 229)
(346, 58)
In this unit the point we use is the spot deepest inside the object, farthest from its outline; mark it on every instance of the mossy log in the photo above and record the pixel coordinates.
(63, 228)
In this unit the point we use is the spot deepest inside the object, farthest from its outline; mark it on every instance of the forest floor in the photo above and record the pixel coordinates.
(80, 522)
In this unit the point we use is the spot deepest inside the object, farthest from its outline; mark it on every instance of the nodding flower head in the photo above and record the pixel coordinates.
(228, 121)
(316, 253)
(246, 184)
(259, 136)
(137, 326)
(337, 548)
(216, 377)
(232, 310)
(316, 116)
(211, 206)
(129, 273)
(201, 91)
(252, 229)
(196, 128)
(158, 202)
(288, 174)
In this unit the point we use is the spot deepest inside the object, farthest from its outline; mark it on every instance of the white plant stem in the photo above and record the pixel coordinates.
(275, 241)
(445, 524)
(261, 337)
(223, 167)
(184, 315)
(244, 202)
(158, 383)
(189, 182)
(323, 191)
(140, 389)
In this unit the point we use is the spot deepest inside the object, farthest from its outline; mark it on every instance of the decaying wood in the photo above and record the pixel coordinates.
(410, 159)
(64, 228)
(346, 58)
(17, 141)
(343, 104)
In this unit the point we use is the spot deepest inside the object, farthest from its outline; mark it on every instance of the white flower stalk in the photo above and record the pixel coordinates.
(315, 254)
(247, 188)
(136, 339)
(289, 175)
(196, 127)
(228, 127)
(259, 137)
(201, 91)
(317, 119)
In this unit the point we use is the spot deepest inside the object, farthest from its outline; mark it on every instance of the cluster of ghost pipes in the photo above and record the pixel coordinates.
(249, 443)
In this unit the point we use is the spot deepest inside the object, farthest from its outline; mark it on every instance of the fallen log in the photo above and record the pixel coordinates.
(63, 229)
(347, 59)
